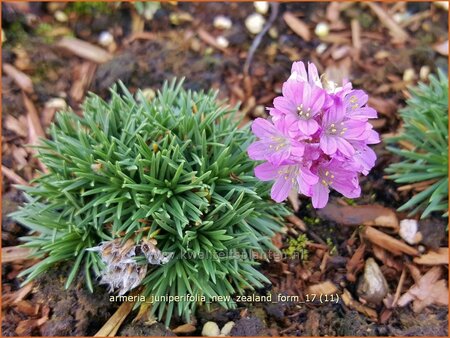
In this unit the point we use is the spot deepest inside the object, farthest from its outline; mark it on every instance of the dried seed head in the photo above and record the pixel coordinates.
(122, 272)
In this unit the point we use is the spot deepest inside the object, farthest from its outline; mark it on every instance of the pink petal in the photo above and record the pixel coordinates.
(266, 171)
(328, 144)
(281, 188)
(279, 156)
(320, 196)
(258, 150)
(314, 75)
(263, 128)
(284, 105)
(344, 146)
(308, 127)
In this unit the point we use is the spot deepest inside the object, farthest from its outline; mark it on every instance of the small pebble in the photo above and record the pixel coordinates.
(409, 75)
(261, 7)
(273, 32)
(255, 23)
(222, 41)
(105, 39)
(372, 286)
(210, 329)
(148, 93)
(441, 4)
(196, 45)
(424, 72)
(226, 329)
(222, 22)
(3, 36)
(322, 29)
(321, 48)
(259, 111)
(60, 16)
(57, 103)
(408, 230)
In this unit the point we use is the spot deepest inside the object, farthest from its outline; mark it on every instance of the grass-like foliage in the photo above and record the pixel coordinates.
(172, 172)
(423, 145)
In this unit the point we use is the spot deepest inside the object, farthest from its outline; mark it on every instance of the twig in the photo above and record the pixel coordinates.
(399, 287)
(273, 15)
(13, 176)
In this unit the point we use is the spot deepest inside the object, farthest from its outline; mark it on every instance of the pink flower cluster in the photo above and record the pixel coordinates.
(317, 138)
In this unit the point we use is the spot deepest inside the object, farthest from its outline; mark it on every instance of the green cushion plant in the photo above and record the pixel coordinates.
(425, 130)
(133, 180)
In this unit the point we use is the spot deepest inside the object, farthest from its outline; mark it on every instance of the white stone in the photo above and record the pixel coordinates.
(255, 23)
(222, 41)
(261, 7)
(210, 329)
(409, 75)
(105, 39)
(424, 72)
(372, 286)
(226, 329)
(57, 103)
(441, 4)
(61, 16)
(222, 22)
(148, 93)
(322, 29)
(408, 230)
(321, 48)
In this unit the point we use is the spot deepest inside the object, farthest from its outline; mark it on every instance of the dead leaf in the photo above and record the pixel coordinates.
(356, 34)
(427, 291)
(298, 26)
(386, 258)
(110, 328)
(433, 257)
(397, 32)
(16, 125)
(441, 48)
(356, 263)
(333, 11)
(293, 198)
(185, 328)
(355, 305)
(13, 177)
(360, 214)
(15, 253)
(297, 222)
(17, 296)
(326, 288)
(20, 78)
(84, 50)
(210, 40)
(83, 76)
(395, 246)
(383, 106)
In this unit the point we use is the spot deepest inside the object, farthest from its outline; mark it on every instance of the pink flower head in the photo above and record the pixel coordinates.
(355, 102)
(301, 103)
(299, 74)
(287, 177)
(334, 174)
(337, 131)
(318, 139)
(274, 145)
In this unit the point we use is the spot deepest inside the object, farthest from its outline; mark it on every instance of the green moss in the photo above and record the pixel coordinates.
(87, 7)
(15, 33)
(298, 247)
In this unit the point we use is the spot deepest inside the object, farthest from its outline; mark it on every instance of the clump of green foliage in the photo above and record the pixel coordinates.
(298, 247)
(88, 7)
(172, 171)
(425, 122)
